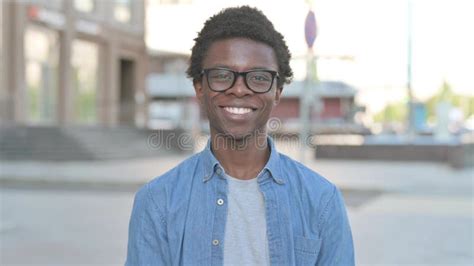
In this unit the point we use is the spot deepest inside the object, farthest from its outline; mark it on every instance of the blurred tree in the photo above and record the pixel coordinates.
(465, 103)
(396, 112)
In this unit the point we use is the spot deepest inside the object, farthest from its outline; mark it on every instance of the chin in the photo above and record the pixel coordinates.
(237, 136)
(237, 133)
(245, 135)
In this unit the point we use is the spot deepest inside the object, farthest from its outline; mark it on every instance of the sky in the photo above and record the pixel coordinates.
(371, 32)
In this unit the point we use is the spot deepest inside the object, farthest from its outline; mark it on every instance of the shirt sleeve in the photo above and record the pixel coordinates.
(337, 246)
(147, 239)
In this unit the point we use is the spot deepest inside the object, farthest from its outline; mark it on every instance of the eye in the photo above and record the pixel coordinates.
(220, 75)
(260, 77)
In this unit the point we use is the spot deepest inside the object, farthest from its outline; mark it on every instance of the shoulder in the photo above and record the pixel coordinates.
(308, 186)
(163, 188)
(314, 192)
(304, 177)
(180, 172)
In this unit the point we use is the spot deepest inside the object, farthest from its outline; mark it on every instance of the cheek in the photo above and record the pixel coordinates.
(202, 104)
(206, 103)
(270, 103)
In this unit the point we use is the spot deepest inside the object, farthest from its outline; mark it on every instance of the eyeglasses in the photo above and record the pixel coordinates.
(222, 79)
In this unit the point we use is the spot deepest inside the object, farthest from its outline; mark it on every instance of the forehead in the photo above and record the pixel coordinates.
(240, 54)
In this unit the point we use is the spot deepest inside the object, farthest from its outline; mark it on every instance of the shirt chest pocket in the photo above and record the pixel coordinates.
(306, 250)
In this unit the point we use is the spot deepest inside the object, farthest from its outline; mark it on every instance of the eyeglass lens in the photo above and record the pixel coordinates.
(222, 79)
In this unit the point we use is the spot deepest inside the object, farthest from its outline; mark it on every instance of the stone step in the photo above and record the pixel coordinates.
(79, 143)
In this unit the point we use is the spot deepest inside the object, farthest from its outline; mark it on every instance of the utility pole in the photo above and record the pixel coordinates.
(411, 118)
(306, 95)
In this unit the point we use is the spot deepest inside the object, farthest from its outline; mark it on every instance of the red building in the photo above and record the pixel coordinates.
(332, 107)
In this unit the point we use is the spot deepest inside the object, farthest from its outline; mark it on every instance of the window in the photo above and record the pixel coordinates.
(41, 74)
(86, 6)
(84, 63)
(123, 11)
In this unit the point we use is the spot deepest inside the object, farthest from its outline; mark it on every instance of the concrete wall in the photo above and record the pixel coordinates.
(456, 155)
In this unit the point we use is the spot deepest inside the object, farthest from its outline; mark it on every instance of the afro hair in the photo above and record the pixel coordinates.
(240, 22)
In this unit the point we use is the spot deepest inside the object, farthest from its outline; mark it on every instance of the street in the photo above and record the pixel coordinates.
(401, 213)
(64, 227)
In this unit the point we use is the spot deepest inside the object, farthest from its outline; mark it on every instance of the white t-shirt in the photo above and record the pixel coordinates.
(245, 241)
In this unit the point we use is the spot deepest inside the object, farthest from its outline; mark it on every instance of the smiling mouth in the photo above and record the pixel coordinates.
(238, 110)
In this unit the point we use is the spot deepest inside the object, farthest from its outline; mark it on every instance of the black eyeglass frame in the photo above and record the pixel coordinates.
(244, 74)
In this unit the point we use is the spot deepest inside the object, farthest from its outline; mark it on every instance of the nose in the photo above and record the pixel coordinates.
(239, 89)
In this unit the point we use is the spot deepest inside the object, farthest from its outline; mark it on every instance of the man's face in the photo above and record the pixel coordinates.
(238, 112)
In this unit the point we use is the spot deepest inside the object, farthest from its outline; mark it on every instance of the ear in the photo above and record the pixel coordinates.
(198, 89)
(277, 95)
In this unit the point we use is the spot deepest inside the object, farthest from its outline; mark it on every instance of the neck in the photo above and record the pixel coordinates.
(241, 158)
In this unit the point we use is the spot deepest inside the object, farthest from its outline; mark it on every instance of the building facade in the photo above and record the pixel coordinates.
(73, 62)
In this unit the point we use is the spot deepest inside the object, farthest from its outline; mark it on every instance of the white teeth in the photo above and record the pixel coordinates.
(237, 110)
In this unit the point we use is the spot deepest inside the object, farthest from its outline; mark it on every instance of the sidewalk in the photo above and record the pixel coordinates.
(384, 176)
(115, 173)
(401, 213)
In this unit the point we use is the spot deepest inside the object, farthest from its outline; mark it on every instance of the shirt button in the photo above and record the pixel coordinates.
(215, 242)
(219, 171)
(220, 202)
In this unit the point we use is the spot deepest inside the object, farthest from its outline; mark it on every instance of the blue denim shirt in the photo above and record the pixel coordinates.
(179, 218)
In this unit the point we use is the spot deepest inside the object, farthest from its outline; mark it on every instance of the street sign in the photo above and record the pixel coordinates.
(310, 28)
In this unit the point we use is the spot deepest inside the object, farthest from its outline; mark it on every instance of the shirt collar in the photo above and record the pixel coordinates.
(209, 161)
(211, 164)
(274, 165)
